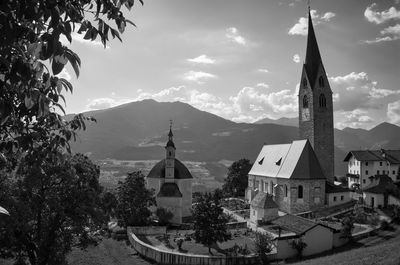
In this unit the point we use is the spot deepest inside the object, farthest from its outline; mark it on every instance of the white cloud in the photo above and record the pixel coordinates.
(379, 17)
(296, 58)
(79, 38)
(105, 103)
(198, 77)
(393, 112)
(357, 118)
(263, 70)
(264, 85)
(202, 59)
(301, 27)
(233, 35)
(392, 31)
(65, 74)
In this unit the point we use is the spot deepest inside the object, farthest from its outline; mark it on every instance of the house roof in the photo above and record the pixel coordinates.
(296, 160)
(169, 189)
(332, 188)
(296, 224)
(382, 184)
(180, 172)
(392, 156)
(264, 201)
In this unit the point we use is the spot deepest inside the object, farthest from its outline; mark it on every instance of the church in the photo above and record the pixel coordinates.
(300, 175)
(172, 183)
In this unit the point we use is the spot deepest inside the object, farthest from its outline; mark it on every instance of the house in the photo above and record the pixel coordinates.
(263, 208)
(172, 183)
(377, 193)
(363, 165)
(336, 194)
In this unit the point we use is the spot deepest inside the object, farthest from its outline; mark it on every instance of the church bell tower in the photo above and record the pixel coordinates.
(170, 157)
(315, 105)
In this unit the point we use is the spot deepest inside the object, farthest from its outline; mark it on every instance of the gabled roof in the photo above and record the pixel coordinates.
(180, 172)
(332, 188)
(290, 161)
(169, 189)
(264, 201)
(382, 184)
(296, 224)
(392, 156)
(313, 58)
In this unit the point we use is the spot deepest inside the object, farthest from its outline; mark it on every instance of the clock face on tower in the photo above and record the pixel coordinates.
(305, 114)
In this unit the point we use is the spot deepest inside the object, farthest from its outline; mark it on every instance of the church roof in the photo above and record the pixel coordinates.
(313, 57)
(180, 172)
(296, 160)
(169, 189)
(264, 201)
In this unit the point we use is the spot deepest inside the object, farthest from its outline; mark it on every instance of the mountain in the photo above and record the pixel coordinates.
(281, 121)
(138, 131)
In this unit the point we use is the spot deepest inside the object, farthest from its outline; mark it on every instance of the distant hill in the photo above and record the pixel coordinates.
(138, 131)
(281, 121)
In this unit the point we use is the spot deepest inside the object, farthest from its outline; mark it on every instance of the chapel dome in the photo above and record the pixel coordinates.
(180, 170)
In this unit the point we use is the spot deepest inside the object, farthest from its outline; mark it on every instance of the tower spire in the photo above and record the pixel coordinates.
(170, 142)
(313, 57)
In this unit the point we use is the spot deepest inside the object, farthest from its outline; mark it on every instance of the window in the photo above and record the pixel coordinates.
(262, 185)
(271, 188)
(321, 81)
(322, 101)
(254, 212)
(377, 172)
(394, 172)
(380, 163)
(286, 191)
(366, 163)
(364, 181)
(334, 198)
(300, 192)
(342, 198)
(304, 82)
(305, 102)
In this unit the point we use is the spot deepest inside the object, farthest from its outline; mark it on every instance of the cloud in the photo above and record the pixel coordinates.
(65, 74)
(393, 112)
(202, 59)
(79, 38)
(392, 31)
(301, 27)
(357, 118)
(198, 77)
(233, 35)
(356, 90)
(379, 17)
(264, 85)
(296, 58)
(105, 103)
(262, 70)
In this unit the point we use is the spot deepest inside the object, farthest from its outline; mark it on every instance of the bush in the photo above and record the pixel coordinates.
(385, 225)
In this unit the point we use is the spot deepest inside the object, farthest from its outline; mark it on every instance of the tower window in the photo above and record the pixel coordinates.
(170, 153)
(321, 81)
(304, 82)
(286, 190)
(322, 101)
(305, 102)
(300, 192)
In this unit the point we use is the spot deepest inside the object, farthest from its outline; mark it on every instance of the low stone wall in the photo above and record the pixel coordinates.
(173, 258)
(148, 230)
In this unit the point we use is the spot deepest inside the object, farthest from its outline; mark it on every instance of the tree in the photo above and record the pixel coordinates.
(109, 203)
(299, 245)
(134, 201)
(347, 228)
(237, 178)
(164, 216)
(263, 246)
(209, 221)
(54, 204)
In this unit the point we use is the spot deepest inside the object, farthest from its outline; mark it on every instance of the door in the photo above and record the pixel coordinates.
(372, 202)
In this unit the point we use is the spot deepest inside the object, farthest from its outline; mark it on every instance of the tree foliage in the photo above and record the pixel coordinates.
(109, 203)
(134, 201)
(263, 246)
(53, 202)
(164, 216)
(237, 178)
(347, 227)
(299, 245)
(209, 221)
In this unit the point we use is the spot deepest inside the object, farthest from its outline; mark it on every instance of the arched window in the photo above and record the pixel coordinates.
(286, 190)
(305, 102)
(271, 188)
(170, 153)
(300, 192)
(304, 82)
(322, 101)
(321, 81)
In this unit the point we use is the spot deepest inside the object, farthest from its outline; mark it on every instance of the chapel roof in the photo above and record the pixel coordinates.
(180, 171)
(169, 189)
(264, 201)
(296, 160)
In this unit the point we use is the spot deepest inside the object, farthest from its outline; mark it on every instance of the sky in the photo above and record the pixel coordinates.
(242, 60)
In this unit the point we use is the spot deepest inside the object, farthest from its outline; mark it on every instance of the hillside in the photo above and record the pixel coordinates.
(137, 131)
(281, 121)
